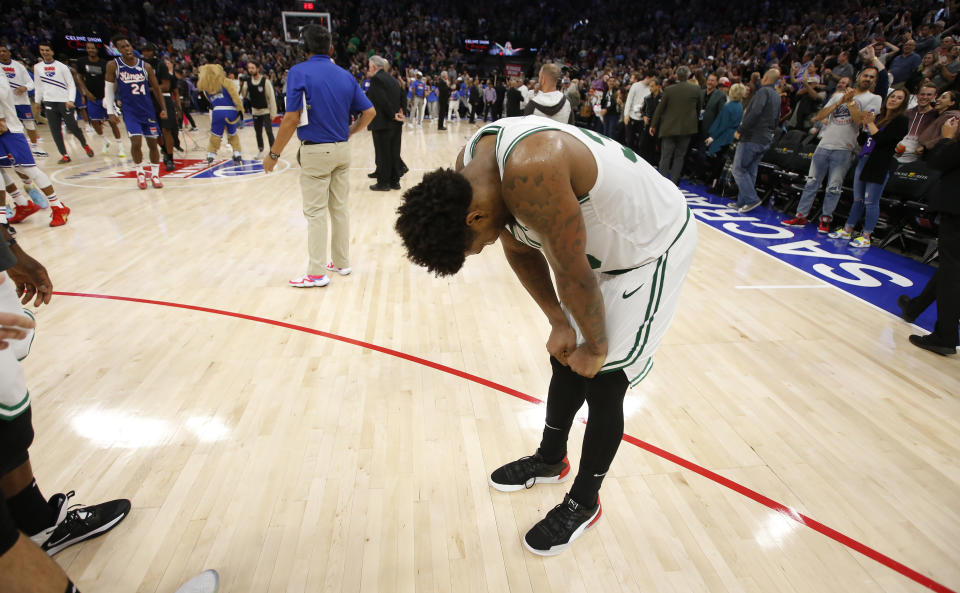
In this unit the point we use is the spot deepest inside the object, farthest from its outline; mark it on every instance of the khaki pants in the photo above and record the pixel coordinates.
(324, 182)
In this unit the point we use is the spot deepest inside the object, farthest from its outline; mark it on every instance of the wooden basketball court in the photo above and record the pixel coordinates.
(293, 461)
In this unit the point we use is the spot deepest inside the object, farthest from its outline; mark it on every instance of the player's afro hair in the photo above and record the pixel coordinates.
(432, 221)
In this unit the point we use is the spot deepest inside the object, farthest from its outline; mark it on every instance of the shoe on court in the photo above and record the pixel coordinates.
(840, 233)
(860, 241)
(527, 471)
(37, 196)
(59, 217)
(260, 155)
(156, 182)
(308, 281)
(824, 226)
(20, 213)
(39, 152)
(930, 342)
(237, 159)
(565, 523)
(733, 206)
(76, 523)
(141, 180)
(341, 271)
(120, 153)
(903, 301)
(64, 160)
(749, 207)
(207, 581)
(88, 150)
(168, 164)
(795, 221)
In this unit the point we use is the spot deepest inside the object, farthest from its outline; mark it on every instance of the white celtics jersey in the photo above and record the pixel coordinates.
(632, 213)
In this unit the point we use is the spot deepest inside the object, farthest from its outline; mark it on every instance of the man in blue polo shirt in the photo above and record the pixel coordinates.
(329, 94)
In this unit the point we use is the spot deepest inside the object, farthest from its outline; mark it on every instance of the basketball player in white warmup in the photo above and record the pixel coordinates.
(619, 239)
(15, 152)
(21, 83)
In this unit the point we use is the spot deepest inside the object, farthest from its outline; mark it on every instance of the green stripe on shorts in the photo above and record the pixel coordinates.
(11, 412)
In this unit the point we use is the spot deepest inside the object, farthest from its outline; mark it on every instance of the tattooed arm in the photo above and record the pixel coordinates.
(538, 192)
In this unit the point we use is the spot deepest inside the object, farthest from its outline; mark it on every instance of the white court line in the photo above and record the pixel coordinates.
(802, 271)
(773, 286)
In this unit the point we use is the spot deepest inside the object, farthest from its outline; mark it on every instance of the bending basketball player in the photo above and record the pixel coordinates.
(619, 241)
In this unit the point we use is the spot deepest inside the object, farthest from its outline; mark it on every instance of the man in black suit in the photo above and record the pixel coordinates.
(498, 103)
(443, 96)
(513, 100)
(387, 99)
(944, 286)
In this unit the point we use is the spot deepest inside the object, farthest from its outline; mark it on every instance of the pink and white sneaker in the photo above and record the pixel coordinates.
(341, 271)
(141, 180)
(308, 281)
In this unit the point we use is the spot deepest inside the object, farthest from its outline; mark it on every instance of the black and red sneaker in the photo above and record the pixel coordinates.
(562, 525)
(64, 160)
(527, 471)
(824, 226)
(88, 150)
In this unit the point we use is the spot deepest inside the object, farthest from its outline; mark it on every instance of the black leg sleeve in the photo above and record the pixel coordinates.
(564, 398)
(604, 432)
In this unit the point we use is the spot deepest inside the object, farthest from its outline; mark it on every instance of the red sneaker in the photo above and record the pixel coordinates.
(141, 180)
(156, 182)
(20, 213)
(795, 221)
(824, 226)
(64, 159)
(88, 150)
(59, 217)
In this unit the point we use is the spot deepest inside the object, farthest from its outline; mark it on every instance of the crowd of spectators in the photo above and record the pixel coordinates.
(603, 47)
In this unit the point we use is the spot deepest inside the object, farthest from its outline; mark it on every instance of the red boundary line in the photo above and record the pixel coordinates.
(715, 477)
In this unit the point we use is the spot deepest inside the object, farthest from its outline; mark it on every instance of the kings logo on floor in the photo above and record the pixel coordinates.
(190, 169)
(114, 173)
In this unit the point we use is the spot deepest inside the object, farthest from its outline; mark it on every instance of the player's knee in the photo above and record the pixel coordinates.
(37, 176)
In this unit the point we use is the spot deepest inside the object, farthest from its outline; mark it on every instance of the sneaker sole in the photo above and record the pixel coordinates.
(344, 272)
(563, 477)
(93, 534)
(307, 285)
(555, 550)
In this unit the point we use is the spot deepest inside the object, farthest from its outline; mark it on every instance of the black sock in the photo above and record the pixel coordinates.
(30, 510)
(604, 432)
(564, 399)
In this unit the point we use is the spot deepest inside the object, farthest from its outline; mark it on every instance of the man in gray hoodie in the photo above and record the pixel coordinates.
(550, 102)
(755, 134)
